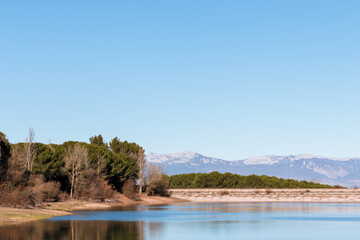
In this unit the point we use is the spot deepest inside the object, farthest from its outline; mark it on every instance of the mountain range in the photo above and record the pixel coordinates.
(334, 171)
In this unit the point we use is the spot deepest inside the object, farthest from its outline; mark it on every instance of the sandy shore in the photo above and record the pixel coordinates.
(19, 215)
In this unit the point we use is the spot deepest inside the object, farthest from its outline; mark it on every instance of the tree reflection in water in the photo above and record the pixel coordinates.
(74, 230)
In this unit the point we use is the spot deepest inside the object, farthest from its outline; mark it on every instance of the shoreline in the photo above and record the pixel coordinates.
(10, 216)
(15, 216)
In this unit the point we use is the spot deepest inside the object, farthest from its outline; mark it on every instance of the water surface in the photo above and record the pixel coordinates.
(253, 221)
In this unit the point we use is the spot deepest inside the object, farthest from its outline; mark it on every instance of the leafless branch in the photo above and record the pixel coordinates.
(30, 150)
(76, 161)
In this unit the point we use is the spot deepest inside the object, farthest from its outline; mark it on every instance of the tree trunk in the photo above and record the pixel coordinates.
(72, 182)
(140, 186)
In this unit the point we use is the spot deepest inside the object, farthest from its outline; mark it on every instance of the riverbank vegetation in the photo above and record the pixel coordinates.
(229, 180)
(32, 173)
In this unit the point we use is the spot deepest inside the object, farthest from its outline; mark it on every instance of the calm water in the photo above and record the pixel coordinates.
(278, 221)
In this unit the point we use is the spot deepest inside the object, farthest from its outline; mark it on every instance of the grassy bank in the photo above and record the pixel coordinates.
(17, 215)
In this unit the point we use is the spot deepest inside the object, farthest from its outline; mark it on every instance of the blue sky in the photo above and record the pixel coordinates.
(229, 79)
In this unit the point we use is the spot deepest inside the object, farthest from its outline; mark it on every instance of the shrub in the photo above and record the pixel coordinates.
(223, 193)
(92, 187)
(159, 187)
(32, 193)
(157, 182)
(129, 190)
(51, 192)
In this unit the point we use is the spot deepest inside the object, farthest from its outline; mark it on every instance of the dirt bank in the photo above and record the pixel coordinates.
(18, 215)
(267, 195)
(121, 200)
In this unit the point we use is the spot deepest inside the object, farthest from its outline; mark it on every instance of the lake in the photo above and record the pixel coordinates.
(246, 221)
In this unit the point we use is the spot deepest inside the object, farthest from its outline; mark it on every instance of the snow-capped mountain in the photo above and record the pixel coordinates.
(345, 172)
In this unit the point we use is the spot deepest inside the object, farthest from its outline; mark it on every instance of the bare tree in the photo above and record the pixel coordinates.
(16, 167)
(30, 150)
(315, 180)
(76, 161)
(141, 165)
(156, 183)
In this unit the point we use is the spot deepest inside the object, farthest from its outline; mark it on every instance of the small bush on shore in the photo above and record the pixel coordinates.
(157, 182)
(129, 190)
(92, 187)
(224, 193)
(32, 193)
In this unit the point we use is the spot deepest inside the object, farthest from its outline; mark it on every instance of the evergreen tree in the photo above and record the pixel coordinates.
(97, 140)
(115, 145)
(4, 155)
(229, 180)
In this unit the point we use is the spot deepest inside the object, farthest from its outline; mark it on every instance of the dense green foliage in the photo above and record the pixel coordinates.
(129, 149)
(229, 180)
(49, 162)
(4, 154)
(33, 173)
(97, 140)
(113, 166)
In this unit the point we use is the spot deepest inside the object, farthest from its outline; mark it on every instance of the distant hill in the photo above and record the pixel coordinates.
(344, 172)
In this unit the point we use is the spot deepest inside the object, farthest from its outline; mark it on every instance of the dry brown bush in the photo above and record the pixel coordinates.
(129, 190)
(92, 187)
(21, 189)
(51, 192)
(16, 173)
(157, 182)
(34, 192)
(224, 192)
(12, 197)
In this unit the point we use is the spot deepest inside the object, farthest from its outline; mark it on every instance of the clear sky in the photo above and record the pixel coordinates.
(228, 79)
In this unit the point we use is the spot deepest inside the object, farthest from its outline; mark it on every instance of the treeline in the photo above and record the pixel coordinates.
(31, 173)
(229, 180)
